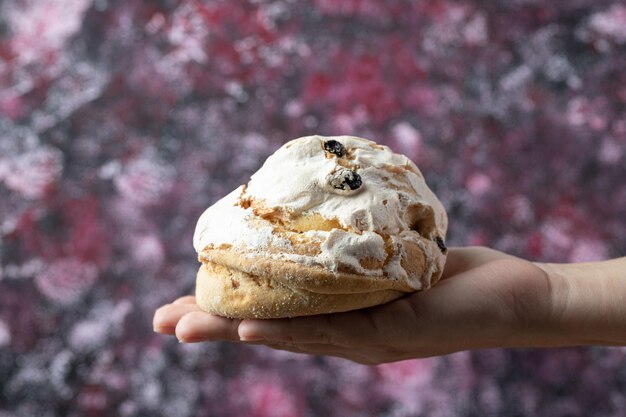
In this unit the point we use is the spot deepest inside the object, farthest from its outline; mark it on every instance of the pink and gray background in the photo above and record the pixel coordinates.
(122, 120)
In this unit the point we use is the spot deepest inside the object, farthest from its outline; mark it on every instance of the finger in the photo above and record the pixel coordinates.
(166, 317)
(199, 326)
(461, 259)
(457, 261)
(309, 348)
(290, 330)
(287, 348)
(188, 299)
(339, 329)
(323, 350)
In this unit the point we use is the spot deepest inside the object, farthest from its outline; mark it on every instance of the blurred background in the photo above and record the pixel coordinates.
(122, 120)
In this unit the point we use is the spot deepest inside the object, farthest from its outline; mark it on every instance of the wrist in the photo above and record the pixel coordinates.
(537, 308)
(587, 305)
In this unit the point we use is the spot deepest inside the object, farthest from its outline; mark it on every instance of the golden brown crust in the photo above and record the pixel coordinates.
(309, 278)
(236, 294)
(318, 279)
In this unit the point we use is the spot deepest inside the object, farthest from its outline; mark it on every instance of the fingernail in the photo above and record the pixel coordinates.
(163, 330)
(248, 331)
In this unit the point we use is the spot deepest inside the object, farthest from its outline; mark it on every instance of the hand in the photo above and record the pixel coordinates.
(486, 299)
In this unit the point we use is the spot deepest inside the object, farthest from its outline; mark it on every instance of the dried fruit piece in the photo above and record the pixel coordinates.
(353, 180)
(344, 181)
(335, 147)
(441, 244)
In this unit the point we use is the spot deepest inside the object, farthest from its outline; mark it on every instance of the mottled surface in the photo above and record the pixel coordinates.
(121, 120)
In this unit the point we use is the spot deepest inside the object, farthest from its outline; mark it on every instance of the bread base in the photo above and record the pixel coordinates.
(236, 294)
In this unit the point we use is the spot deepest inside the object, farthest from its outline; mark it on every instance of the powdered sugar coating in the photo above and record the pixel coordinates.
(392, 198)
(225, 222)
(295, 177)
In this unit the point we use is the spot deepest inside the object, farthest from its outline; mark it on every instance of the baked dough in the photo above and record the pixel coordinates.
(328, 224)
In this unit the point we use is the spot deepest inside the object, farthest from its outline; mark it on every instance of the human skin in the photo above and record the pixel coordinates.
(486, 299)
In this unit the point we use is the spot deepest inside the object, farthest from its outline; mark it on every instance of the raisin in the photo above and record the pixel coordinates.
(441, 244)
(353, 180)
(345, 180)
(335, 147)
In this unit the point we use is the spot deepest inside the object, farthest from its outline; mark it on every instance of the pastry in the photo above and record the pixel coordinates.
(327, 224)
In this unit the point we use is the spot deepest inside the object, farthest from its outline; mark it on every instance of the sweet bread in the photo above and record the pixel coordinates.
(328, 224)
